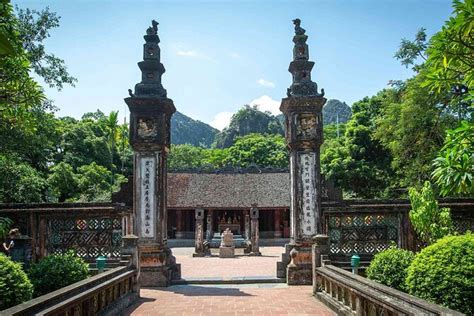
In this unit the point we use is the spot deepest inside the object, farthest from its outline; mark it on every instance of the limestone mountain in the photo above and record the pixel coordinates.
(336, 111)
(246, 121)
(185, 130)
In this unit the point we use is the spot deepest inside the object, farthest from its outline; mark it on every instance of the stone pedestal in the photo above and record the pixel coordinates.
(227, 248)
(150, 116)
(226, 252)
(304, 135)
(254, 233)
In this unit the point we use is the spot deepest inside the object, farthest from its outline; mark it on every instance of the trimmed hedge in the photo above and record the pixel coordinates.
(390, 267)
(443, 273)
(15, 287)
(57, 271)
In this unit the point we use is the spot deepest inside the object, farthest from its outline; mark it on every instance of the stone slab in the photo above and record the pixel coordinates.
(226, 252)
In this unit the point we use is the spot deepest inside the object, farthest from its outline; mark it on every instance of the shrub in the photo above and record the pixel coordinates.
(15, 287)
(390, 267)
(429, 221)
(57, 271)
(443, 273)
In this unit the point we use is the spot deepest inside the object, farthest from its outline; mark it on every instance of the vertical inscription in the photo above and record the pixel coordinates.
(308, 194)
(147, 196)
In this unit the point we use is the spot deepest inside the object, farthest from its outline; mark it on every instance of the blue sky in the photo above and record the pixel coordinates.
(220, 55)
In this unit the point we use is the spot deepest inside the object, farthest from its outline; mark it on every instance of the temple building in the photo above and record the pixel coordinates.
(226, 197)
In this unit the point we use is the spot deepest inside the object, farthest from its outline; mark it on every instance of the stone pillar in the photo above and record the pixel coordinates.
(277, 222)
(304, 135)
(150, 115)
(199, 248)
(179, 224)
(254, 234)
(247, 226)
(210, 223)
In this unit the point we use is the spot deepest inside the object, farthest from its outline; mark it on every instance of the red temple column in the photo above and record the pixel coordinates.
(179, 224)
(277, 233)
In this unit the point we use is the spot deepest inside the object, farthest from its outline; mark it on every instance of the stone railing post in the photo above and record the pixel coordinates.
(320, 248)
(254, 234)
(130, 251)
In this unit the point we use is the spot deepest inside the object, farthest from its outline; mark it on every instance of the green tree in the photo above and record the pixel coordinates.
(454, 166)
(429, 221)
(246, 121)
(411, 126)
(19, 182)
(262, 150)
(446, 59)
(33, 30)
(63, 181)
(357, 162)
(94, 183)
(186, 156)
(112, 135)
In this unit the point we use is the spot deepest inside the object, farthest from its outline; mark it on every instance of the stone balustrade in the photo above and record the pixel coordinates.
(350, 294)
(106, 294)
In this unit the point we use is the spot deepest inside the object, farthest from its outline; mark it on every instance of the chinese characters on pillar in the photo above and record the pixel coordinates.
(147, 196)
(308, 194)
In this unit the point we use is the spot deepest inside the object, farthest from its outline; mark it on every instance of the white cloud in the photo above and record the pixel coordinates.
(234, 55)
(221, 120)
(188, 53)
(266, 83)
(192, 54)
(266, 103)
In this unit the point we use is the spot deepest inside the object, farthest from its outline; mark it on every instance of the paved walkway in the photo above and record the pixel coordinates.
(254, 299)
(228, 268)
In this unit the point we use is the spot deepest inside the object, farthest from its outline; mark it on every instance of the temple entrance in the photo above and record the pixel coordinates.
(242, 264)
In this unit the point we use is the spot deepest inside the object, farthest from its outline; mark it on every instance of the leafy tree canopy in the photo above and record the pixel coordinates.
(246, 121)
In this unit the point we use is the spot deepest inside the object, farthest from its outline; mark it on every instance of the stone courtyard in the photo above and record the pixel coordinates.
(255, 299)
(229, 268)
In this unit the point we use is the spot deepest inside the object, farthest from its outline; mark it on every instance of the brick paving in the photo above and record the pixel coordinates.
(240, 266)
(255, 299)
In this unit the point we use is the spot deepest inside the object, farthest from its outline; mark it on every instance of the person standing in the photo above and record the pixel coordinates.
(9, 243)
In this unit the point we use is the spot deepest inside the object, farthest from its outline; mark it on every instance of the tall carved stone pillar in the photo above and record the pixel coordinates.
(150, 114)
(210, 224)
(199, 250)
(247, 235)
(179, 224)
(277, 222)
(247, 226)
(254, 234)
(304, 135)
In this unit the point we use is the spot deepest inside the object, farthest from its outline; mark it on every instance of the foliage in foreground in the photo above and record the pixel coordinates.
(443, 273)
(56, 271)
(15, 287)
(390, 267)
(454, 166)
(429, 221)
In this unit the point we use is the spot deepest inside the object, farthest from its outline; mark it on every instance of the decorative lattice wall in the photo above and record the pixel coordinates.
(363, 233)
(88, 237)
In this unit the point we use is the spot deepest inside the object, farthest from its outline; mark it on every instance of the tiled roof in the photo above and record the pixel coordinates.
(188, 190)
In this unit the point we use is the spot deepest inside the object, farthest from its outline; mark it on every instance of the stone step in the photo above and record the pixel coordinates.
(233, 280)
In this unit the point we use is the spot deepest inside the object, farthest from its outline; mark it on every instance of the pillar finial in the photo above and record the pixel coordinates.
(301, 67)
(151, 67)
